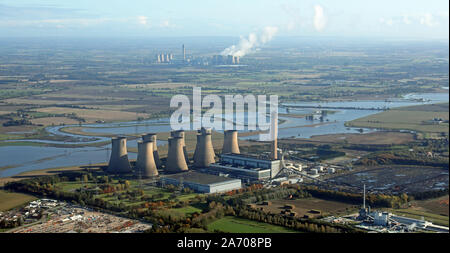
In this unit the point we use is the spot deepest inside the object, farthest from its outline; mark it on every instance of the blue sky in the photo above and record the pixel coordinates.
(425, 19)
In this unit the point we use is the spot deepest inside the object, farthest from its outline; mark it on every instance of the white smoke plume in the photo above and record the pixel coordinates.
(252, 42)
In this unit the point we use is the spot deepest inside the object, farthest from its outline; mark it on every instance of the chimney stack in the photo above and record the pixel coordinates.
(118, 162)
(274, 135)
(204, 155)
(176, 162)
(230, 142)
(145, 162)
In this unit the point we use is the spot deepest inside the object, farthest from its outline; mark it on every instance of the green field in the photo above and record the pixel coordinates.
(414, 118)
(416, 214)
(230, 224)
(9, 200)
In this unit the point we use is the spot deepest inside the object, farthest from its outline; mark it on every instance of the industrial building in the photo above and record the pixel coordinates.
(247, 167)
(225, 60)
(200, 182)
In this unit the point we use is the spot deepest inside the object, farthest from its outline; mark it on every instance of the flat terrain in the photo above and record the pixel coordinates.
(304, 207)
(416, 118)
(375, 138)
(396, 178)
(9, 200)
(231, 224)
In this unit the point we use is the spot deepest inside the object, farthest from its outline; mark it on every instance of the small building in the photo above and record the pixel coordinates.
(204, 183)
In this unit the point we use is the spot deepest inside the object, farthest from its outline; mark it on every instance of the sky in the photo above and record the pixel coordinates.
(405, 19)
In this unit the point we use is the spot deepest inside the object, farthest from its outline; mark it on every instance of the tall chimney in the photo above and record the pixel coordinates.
(364, 197)
(205, 151)
(274, 135)
(151, 137)
(183, 51)
(181, 134)
(230, 142)
(118, 162)
(176, 161)
(145, 163)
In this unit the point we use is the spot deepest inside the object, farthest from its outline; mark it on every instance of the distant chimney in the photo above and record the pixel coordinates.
(118, 162)
(230, 142)
(176, 162)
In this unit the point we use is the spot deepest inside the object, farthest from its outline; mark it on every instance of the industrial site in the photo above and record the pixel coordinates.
(245, 117)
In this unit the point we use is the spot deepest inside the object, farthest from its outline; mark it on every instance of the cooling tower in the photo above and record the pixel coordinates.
(176, 161)
(153, 138)
(230, 142)
(145, 163)
(181, 134)
(118, 163)
(167, 58)
(158, 58)
(205, 151)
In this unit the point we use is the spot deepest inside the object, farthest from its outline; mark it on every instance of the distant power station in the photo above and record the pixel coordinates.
(164, 58)
(225, 60)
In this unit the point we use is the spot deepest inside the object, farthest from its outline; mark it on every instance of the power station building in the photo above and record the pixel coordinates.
(200, 182)
(225, 60)
(246, 167)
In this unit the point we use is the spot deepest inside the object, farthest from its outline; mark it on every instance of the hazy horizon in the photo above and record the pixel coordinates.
(411, 20)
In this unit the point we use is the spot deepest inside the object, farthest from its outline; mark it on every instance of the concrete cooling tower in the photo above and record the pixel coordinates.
(181, 134)
(205, 151)
(176, 162)
(151, 137)
(145, 163)
(118, 163)
(230, 142)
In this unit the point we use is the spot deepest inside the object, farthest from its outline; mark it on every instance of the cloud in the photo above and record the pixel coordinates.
(143, 20)
(388, 22)
(166, 24)
(406, 20)
(320, 19)
(428, 20)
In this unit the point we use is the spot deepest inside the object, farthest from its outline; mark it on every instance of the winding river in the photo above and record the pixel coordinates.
(18, 159)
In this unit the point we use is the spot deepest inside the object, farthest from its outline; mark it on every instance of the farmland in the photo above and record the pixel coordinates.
(230, 224)
(304, 207)
(416, 118)
(11, 200)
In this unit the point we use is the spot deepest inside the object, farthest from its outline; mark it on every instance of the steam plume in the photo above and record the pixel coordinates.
(253, 41)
